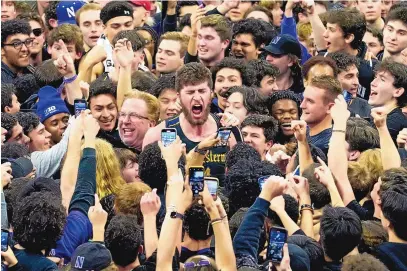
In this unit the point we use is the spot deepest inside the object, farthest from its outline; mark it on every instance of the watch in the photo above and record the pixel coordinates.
(201, 151)
(174, 214)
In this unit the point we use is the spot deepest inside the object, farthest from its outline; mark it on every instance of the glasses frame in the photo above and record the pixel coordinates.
(131, 116)
(18, 45)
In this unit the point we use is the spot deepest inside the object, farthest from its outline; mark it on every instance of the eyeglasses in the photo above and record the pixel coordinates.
(37, 32)
(201, 263)
(19, 44)
(133, 116)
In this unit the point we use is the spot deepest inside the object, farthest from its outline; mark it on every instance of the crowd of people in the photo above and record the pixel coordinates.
(313, 172)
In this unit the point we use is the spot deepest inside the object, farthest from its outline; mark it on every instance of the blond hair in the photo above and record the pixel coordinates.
(177, 36)
(153, 106)
(86, 7)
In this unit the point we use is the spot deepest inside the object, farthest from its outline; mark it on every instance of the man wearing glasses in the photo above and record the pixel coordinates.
(15, 49)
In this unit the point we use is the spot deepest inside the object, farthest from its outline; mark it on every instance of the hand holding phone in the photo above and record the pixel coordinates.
(277, 239)
(212, 184)
(79, 105)
(262, 180)
(196, 180)
(168, 135)
(223, 136)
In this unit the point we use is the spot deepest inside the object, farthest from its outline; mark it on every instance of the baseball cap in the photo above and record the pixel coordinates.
(283, 45)
(90, 256)
(66, 11)
(142, 3)
(21, 167)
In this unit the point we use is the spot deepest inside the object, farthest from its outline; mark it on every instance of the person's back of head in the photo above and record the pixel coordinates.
(12, 193)
(14, 150)
(9, 103)
(373, 235)
(26, 85)
(38, 221)
(311, 247)
(361, 137)
(362, 262)
(394, 209)
(239, 152)
(196, 221)
(142, 80)
(200, 263)
(47, 74)
(340, 232)
(124, 238)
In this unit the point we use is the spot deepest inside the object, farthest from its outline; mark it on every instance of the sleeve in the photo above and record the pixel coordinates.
(299, 232)
(360, 211)
(289, 27)
(188, 58)
(16, 267)
(246, 241)
(395, 125)
(4, 219)
(170, 23)
(85, 189)
(214, 11)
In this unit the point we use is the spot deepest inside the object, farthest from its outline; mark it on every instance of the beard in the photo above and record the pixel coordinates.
(196, 122)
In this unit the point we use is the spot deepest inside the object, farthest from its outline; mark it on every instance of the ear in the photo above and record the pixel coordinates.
(49, 49)
(349, 38)
(78, 56)
(354, 155)
(269, 145)
(398, 92)
(3, 52)
(140, 249)
(7, 109)
(260, 49)
(152, 123)
(225, 44)
(53, 23)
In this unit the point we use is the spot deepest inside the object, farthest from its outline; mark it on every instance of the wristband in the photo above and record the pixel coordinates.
(200, 151)
(70, 80)
(338, 131)
(216, 220)
(307, 207)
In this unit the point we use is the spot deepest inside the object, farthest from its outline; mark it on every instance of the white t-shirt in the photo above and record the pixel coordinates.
(108, 62)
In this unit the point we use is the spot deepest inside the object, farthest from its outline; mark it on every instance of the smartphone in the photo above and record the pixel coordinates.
(4, 240)
(168, 135)
(223, 135)
(297, 171)
(196, 180)
(262, 180)
(79, 105)
(212, 183)
(277, 239)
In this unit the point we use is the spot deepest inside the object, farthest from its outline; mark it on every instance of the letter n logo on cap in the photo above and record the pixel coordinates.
(79, 262)
(126, 12)
(71, 12)
(276, 40)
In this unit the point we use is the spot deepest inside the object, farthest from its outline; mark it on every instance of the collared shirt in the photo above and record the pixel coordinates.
(8, 76)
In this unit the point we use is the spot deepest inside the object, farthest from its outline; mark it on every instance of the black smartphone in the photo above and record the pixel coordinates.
(79, 105)
(4, 240)
(277, 239)
(223, 135)
(196, 180)
(212, 183)
(262, 180)
(168, 135)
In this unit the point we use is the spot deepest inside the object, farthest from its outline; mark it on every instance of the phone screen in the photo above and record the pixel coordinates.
(80, 105)
(196, 180)
(277, 239)
(4, 240)
(223, 135)
(262, 180)
(168, 136)
(297, 171)
(212, 187)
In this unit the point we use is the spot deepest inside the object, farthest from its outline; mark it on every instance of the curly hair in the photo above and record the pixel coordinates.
(11, 194)
(192, 74)
(260, 69)
(8, 122)
(234, 64)
(38, 221)
(399, 73)
(291, 207)
(108, 176)
(68, 33)
(344, 61)
(268, 123)
(7, 92)
(162, 83)
(26, 85)
(142, 80)
(241, 151)
(123, 237)
(197, 222)
(28, 120)
(51, 13)
(14, 150)
(284, 95)
(14, 27)
(253, 27)
(361, 262)
(253, 100)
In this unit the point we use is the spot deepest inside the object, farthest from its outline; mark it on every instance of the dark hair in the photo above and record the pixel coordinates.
(394, 208)
(32, 16)
(241, 182)
(270, 31)
(362, 262)
(361, 137)
(11, 194)
(330, 84)
(152, 168)
(26, 85)
(234, 64)
(260, 69)
(162, 83)
(311, 247)
(38, 221)
(8, 122)
(137, 42)
(291, 207)
(112, 8)
(107, 203)
(399, 73)
(351, 21)
(14, 150)
(344, 61)
(340, 232)
(253, 27)
(268, 123)
(318, 192)
(185, 21)
(241, 151)
(102, 86)
(47, 74)
(51, 13)
(142, 80)
(236, 220)
(14, 27)
(397, 13)
(41, 185)
(373, 235)
(197, 222)
(181, 4)
(28, 120)
(392, 177)
(253, 100)
(123, 237)
(284, 95)
(319, 60)
(376, 33)
(192, 74)
(7, 92)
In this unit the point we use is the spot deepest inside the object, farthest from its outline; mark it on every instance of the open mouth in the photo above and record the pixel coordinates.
(238, 55)
(197, 109)
(373, 94)
(128, 131)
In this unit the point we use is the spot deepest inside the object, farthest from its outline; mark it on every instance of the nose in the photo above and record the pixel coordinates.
(105, 113)
(172, 107)
(302, 104)
(274, 87)
(26, 139)
(325, 34)
(270, 59)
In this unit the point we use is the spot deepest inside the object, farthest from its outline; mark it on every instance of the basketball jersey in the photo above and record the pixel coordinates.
(108, 64)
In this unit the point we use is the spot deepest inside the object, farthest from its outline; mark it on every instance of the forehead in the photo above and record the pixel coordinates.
(228, 72)
(120, 20)
(102, 99)
(351, 69)
(387, 75)
(40, 127)
(334, 26)
(253, 130)
(203, 85)
(34, 24)
(168, 93)
(397, 24)
(57, 117)
(313, 93)
(90, 15)
(244, 37)
(236, 98)
(15, 37)
(207, 30)
(285, 104)
(170, 45)
(134, 105)
(258, 14)
(187, 9)
(369, 36)
(17, 128)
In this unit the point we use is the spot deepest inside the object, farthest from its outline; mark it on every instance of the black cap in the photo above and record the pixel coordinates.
(283, 45)
(91, 256)
(21, 167)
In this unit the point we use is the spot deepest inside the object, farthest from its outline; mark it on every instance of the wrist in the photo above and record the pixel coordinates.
(305, 198)
(265, 196)
(150, 217)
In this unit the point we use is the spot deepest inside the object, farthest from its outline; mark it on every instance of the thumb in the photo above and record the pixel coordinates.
(97, 201)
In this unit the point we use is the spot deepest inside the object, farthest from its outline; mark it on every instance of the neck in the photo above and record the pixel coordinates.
(195, 245)
(12, 68)
(390, 105)
(394, 238)
(351, 51)
(396, 56)
(129, 267)
(194, 130)
(36, 59)
(378, 24)
(214, 61)
(319, 127)
(285, 80)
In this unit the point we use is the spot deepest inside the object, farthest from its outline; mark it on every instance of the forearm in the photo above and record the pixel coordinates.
(194, 159)
(222, 9)
(288, 26)
(193, 45)
(167, 242)
(150, 234)
(172, 168)
(73, 91)
(85, 72)
(336, 199)
(98, 234)
(318, 29)
(124, 85)
(305, 156)
(288, 223)
(389, 153)
(306, 223)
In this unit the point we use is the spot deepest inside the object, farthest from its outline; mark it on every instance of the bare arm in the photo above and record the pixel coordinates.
(124, 55)
(318, 28)
(277, 204)
(150, 205)
(324, 175)
(195, 25)
(301, 187)
(304, 152)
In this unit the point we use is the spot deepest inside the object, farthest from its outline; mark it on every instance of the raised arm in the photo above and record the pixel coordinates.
(278, 205)
(195, 25)
(324, 176)
(124, 55)
(91, 61)
(150, 205)
(389, 153)
(318, 27)
(98, 218)
(304, 153)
